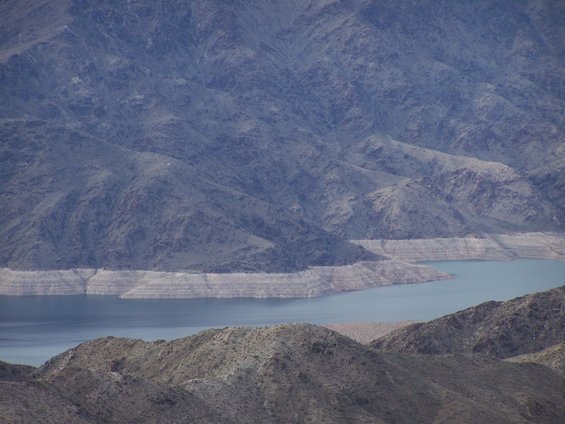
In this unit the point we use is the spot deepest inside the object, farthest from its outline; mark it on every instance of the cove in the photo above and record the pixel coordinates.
(35, 328)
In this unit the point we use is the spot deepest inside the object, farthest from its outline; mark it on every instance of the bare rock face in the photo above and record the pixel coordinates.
(500, 329)
(261, 136)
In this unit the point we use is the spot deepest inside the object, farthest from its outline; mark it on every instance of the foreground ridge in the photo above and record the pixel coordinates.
(291, 373)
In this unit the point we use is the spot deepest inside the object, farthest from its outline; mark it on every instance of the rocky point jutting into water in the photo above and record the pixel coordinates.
(315, 281)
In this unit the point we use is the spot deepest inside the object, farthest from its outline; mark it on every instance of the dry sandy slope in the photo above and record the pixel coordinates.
(366, 332)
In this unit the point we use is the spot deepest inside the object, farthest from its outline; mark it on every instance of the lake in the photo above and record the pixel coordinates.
(35, 328)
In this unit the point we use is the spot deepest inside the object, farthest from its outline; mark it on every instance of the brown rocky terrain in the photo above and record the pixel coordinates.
(218, 136)
(488, 247)
(283, 374)
(298, 373)
(500, 329)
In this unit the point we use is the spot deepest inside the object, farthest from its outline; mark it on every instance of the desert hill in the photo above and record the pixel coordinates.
(283, 374)
(291, 373)
(500, 329)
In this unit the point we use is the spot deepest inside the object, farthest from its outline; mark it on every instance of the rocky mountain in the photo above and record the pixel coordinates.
(221, 136)
(523, 325)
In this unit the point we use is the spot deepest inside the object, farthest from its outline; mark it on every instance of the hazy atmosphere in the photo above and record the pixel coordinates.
(380, 183)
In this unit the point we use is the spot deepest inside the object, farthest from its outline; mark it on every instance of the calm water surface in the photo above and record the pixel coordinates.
(35, 328)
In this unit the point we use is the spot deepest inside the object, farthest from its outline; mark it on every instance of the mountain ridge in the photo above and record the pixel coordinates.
(235, 137)
(523, 325)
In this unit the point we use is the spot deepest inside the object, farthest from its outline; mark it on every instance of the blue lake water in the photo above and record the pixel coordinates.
(35, 328)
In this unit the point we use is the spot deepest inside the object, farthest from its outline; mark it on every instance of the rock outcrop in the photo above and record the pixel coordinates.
(366, 332)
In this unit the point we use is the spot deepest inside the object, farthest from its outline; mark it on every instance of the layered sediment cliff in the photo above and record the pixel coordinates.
(493, 247)
(316, 281)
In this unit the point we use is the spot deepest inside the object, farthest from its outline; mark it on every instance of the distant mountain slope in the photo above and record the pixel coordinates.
(552, 357)
(218, 136)
(526, 324)
(283, 374)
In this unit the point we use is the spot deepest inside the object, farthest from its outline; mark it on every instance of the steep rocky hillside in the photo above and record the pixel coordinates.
(222, 136)
(283, 374)
(501, 329)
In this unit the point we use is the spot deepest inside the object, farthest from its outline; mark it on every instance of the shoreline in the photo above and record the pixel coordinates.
(533, 245)
(401, 266)
(313, 282)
